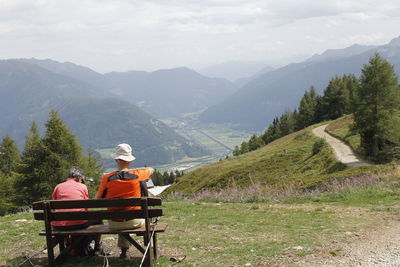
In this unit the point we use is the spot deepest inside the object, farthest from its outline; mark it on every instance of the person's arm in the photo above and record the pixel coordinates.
(85, 192)
(148, 171)
(54, 194)
(102, 187)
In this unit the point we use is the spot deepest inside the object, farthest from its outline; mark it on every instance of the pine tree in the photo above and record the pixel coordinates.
(63, 150)
(307, 106)
(171, 178)
(46, 161)
(255, 142)
(351, 83)
(319, 110)
(7, 193)
(272, 133)
(32, 183)
(9, 156)
(377, 112)
(236, 151)
(93, 168)
(244, 147)
(9, 161)
(287, 123)
(336, 99)
(165, 178)
(157, 178)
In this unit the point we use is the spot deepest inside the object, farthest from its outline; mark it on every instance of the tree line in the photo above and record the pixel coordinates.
(32, 174)
(44, 162)
(165, 178)
(373, 99)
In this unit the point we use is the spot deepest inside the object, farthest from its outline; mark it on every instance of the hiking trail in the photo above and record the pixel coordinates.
(342, 151)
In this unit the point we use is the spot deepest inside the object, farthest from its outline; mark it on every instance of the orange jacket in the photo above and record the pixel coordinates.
(123, 184)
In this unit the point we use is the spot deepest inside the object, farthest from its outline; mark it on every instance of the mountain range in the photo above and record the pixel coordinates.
(255, 104)
(162, 93)
(234, 70)
(28, 91)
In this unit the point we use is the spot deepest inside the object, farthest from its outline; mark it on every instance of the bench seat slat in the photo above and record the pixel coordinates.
(105, 229)
(96, 203)
(100, 214)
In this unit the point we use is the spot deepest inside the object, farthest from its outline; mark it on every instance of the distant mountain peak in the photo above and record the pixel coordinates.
(395, 41)
(352, 50)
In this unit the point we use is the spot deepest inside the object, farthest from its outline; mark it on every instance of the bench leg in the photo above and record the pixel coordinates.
(133, 242)
(50, 251)
(149, 256)
(155, 252)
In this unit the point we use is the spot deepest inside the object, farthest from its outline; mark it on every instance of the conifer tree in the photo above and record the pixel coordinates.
(46, 161)
(93, 168)
(255, 142)
(351, 84)
(272, 132)
(171, 178)
(165, 178)
(9, 156)
(7, 193)
(307, 107)
(336, 100)
(157, 178)
(377, 112)
(31, 183)
(287, 123)
(62, 150)
(9, 160)
(236, 151)
(319, 110)
(244, 147)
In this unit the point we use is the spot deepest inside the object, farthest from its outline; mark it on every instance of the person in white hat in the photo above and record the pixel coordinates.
(124, 183)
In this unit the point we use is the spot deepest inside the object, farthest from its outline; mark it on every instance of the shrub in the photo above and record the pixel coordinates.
(318, 146)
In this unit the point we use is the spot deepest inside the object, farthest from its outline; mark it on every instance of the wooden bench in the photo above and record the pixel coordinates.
(45, 211)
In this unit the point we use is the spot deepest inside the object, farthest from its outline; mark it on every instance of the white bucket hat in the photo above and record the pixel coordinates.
(123, 152)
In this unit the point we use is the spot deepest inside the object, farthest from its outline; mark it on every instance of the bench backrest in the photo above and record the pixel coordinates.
(46, 209)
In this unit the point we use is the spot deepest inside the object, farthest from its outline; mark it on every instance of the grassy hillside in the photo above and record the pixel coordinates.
(287, 161)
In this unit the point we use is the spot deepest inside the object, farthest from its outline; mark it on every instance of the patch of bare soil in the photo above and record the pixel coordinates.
(375, 247)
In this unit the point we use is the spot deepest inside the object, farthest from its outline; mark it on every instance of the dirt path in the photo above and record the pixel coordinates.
(378, 247)
(342, 151)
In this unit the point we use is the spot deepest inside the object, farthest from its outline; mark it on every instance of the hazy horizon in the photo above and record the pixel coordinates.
(149, 35)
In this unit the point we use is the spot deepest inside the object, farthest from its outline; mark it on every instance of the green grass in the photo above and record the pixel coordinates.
(269, 165)
(366, 197)
(263, 234)
(225, 234)
(272, 166)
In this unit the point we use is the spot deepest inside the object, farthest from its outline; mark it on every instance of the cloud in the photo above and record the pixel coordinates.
(151, 33)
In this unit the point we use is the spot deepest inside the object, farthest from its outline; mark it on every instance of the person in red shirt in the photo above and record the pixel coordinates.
(124, 183)
(73, 189)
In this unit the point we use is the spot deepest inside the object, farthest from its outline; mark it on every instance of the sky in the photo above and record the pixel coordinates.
(121, 35)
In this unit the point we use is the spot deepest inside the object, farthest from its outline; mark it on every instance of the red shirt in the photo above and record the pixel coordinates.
(70, 190)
